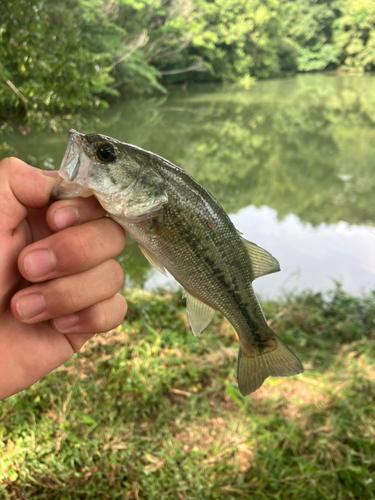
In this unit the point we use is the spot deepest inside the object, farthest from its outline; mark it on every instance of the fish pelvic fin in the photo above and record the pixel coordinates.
(200, 314)
(253, 371)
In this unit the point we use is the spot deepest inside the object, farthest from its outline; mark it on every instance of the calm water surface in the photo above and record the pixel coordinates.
(292, 161)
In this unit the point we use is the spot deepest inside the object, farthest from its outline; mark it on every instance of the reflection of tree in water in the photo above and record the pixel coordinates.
(303, 145)
(307, 151)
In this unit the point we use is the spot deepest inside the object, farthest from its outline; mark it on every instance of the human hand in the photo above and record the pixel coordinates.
(58, 279)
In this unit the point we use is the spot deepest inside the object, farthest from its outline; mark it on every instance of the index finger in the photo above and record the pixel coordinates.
(73, 212)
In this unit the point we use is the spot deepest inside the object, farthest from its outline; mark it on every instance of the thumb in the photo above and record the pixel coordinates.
(22, 187)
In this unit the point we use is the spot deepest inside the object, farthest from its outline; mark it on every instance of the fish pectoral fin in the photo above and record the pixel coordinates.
(199, 313)
(262, 261)
(154, 261)
(252, 371)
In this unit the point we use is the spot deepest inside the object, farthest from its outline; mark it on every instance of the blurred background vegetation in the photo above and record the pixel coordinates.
(57, 58)
(149, 411)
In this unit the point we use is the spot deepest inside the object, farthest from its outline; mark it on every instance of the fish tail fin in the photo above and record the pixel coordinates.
(252, 371)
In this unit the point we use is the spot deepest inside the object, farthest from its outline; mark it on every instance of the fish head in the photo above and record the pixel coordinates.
(114, 172)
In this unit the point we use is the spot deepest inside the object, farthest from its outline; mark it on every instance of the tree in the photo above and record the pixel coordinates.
(354, 34)
(308, 24)
(45, 68)
(238, 38)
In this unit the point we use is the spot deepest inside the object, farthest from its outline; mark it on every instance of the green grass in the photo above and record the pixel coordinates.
(151, 412)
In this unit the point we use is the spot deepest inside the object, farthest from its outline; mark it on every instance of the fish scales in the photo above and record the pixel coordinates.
(181, 227)
(183, 240)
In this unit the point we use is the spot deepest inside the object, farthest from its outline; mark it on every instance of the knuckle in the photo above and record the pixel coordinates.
(108, 314)
(85, 241)
(69, 297)
(64, 296)
(74, 293)
(77, 248)
(88, 245)
(101, 318)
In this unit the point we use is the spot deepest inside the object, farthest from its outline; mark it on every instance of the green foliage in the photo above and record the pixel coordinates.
(268, 38)
(321, 320)
(59, 58)
(45, 68)
(122, 32)
(152, 412)
(239, 38)
(308, 24)
(354, 34)
(331, 34)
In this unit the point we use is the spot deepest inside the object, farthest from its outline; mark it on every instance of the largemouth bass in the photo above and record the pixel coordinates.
(180, 227)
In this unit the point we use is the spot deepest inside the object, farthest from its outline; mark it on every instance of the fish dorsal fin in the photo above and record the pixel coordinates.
(262, 261)
(199, 313)
(154, 261)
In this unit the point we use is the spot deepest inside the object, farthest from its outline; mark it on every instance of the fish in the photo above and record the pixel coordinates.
(181, 228)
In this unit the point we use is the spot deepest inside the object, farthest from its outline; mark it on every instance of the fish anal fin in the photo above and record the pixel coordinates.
(262, 261)
(154, 261)
(199, 313)
(252, 371)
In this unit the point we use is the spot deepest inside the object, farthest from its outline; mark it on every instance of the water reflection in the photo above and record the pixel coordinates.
(303, 147)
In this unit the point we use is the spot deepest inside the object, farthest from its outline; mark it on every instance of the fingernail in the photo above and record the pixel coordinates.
(66, 217)
(50, 173)
(30, 306)
(66, 322)
(39, 263)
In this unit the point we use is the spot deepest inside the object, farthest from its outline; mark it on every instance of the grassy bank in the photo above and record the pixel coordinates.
(151, 412)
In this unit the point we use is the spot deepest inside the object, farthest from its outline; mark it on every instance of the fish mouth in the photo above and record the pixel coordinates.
(72, 178)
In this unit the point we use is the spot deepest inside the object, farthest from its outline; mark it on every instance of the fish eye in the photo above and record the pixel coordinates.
(105, 153)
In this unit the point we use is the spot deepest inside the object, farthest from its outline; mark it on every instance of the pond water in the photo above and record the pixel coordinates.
(292, 161)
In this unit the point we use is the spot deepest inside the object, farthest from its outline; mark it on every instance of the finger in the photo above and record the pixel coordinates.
(21, 187)
(36, 220)
(72, 251)
(101, 317)
(67, 295)
(68, 213)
